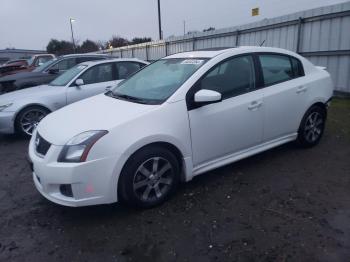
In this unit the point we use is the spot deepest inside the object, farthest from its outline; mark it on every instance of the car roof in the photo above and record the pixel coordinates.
(96, 62)
(212, 52)
(83, 55)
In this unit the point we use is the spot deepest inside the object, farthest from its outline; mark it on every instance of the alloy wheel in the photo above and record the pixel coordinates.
(31, 119)
(313, 127)
(153, 179)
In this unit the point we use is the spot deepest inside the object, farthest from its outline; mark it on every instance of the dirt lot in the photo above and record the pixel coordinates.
(287, 204)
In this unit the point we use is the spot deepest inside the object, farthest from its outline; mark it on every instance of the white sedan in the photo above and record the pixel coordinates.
(177, 118)
(22, 110)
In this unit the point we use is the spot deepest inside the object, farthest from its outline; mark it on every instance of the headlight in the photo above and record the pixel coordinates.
(77, 149)
(3, 107)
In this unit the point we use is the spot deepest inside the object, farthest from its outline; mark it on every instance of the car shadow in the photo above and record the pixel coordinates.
(12, 138)
(105, 213)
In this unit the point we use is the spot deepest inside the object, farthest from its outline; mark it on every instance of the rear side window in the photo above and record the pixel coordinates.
(98, 73)
(298, 69)
(125, 69)
(279, 68)
(276, 69)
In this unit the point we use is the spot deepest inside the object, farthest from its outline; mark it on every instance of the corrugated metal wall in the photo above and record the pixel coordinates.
(322, 35)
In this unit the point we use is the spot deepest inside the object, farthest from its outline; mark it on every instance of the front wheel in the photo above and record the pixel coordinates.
(28, 119)
(312, 127)
(149, 177)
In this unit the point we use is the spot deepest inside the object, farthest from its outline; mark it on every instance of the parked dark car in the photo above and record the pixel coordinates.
(24, 65)
(45, 73)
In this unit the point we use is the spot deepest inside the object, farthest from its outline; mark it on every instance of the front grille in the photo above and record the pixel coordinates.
(41, 145)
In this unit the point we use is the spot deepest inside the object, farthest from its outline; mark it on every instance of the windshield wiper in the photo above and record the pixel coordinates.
(127, 97)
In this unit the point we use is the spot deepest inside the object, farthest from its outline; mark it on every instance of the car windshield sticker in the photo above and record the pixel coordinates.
(192, 62)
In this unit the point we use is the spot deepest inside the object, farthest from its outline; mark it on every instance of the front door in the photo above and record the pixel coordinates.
(221, 129)
(96, 79)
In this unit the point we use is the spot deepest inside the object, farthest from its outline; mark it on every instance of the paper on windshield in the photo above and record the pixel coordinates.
(192, 62)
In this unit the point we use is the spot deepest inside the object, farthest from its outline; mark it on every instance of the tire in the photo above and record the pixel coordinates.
(312, 127)
(149, 177)
(28, 119)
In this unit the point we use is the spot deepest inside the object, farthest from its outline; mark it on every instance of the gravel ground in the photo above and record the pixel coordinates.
(287, 204)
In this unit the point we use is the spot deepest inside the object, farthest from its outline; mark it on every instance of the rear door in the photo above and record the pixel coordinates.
(96, 79)
(127, 68)
(285, 94)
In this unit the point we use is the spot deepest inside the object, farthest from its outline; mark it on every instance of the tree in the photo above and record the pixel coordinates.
(139, 40)
(59, 47)
(88, 46)
(117, 41)
(209, 29)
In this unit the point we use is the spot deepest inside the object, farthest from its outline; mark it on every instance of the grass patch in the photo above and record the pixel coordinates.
(339, 117)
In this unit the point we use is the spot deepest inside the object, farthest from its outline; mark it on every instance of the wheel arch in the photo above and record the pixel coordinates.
(169, 146)
(26, 106)
(320, 104)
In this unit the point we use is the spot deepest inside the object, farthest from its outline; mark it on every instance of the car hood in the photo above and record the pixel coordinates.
(26, 93)
(11, 65)
(21, 75)
(99, 112)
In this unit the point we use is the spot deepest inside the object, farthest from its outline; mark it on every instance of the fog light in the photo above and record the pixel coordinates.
(66, 190)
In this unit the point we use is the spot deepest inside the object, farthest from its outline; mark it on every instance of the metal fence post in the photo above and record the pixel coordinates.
(194, 44)
(299, 36)
(237, 37)
(121, 53)
(146, 52)
(166, 48)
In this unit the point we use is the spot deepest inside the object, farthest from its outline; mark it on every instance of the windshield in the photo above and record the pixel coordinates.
(158, 81)
(67, 76)
(30, 60)
(44, 66)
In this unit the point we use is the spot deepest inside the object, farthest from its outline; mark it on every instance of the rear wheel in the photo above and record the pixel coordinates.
(312, 126)
(29, 118)
(149, 177)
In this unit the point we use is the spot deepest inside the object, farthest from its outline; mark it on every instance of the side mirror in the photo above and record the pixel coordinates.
(206, 96)
(79, 82)
(53, 71)
(108, 88)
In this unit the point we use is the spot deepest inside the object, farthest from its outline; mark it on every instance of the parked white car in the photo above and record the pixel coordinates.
(22, 110)
(177, 118)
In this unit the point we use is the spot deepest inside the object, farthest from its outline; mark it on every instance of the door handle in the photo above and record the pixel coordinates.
(255, 105)
(301, 89)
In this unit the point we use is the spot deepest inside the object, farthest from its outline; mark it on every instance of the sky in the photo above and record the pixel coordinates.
(30, 24)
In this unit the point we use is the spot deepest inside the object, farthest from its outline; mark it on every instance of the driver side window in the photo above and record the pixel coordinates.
(233, 77)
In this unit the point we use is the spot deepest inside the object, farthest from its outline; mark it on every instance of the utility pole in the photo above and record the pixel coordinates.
(159, 22)
(71, 20)
(184, 27)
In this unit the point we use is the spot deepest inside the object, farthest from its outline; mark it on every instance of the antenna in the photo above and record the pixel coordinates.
(262, 43)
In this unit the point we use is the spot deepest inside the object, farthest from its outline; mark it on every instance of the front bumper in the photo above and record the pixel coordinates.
(92, 183)
(7, 125)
